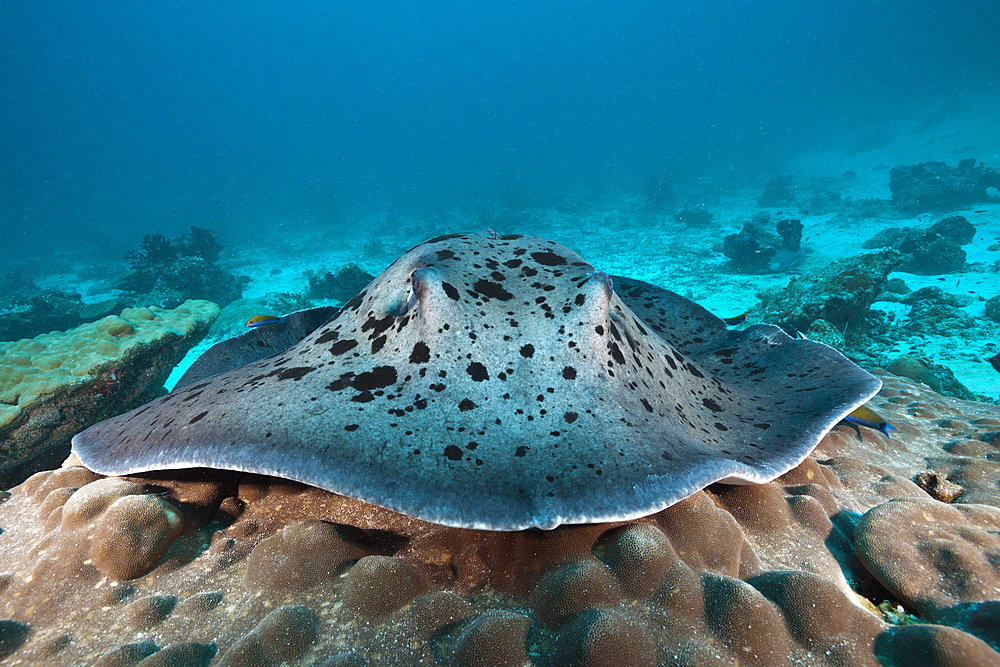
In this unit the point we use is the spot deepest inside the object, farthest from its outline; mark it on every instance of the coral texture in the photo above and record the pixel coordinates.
(206, 567)
(53, 385)
(930, 186)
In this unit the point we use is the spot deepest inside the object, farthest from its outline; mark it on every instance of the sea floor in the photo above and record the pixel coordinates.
(621, 235)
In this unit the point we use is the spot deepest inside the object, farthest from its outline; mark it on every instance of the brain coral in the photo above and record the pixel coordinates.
(209, 568)
(56, 384)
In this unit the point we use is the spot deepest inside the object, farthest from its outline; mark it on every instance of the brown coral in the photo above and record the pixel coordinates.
(247, 570)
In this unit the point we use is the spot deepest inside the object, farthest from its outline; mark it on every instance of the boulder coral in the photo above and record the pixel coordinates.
(58, 383)
(215, 568)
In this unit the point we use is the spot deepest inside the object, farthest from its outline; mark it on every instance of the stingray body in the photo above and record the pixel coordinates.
(502, 383)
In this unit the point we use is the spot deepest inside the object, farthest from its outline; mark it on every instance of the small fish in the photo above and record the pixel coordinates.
(995, 362)
(786, 259)
(865, 416)
(737, 320)
(262, 320)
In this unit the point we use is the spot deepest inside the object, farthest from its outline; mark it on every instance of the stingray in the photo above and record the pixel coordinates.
(502, 383)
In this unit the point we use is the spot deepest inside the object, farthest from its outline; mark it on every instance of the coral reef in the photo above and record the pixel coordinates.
(939, 378)
(777, 192)
(840, 294)
(934, 186)
(340, 286)
(756, 250)
(27, 310)
(258, 571)
(932, 318)
(694, 216)
(993, 308)
(930, 251)
(56, 384)
(38, 312)
(164, 272)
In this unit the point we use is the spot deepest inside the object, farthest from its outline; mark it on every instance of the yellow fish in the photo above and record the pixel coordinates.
(865, 416)
(261, 320)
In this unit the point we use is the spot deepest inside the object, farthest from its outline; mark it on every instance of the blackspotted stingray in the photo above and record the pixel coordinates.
(503, 383)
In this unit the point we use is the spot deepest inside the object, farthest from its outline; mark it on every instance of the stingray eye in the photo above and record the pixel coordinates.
(409, 303)
(411, 299)
(604, 278)
(412, 296)
(420, 279)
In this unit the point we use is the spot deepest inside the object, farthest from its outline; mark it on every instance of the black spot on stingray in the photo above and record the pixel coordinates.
(342, 346)
(599, 330)
(354, 303)
(352, 427)
(762, 427)
(363, 397)
(421, 354)
(512, 263)
(529, 272)
(711, 405)
(721, 427)
(616, 352)
(378, 326)
(377, 344)
(569, 373)
(492, 290)
(198, 417)
(340, 383)
(466, 405)
(377, 378)
(420, 403)
(477, 371)
(580, 299)
(326, 337)
(521, 450)
(571, 417)
(645, 404)
(548, 258)
(296, 373)
(444, 254)
(472, 445)
(527, 350)
(453, 453)
(450, 290)
(497, 276)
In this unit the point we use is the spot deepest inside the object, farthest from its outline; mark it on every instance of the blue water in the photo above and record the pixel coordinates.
(120, 118)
